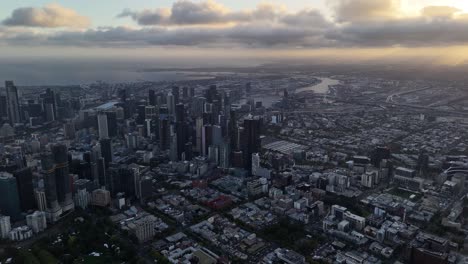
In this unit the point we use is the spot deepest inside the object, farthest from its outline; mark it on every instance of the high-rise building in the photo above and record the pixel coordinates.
(3, 106)
(102, 126)
(25, 188)
(150, 112)
(111, 123)
(171, 104)
(164, 132)
(180, 113)
(251, 140)
(41, 200)
(106, 150)
(224, 155)
(49, 101)
(62, 177)
(152, 97)
(176, 94)
(10, 202)
(69, 130)
(48, 171)
(5, 226)
(100, 197)
(199, 135)
(37, 221)
(13, 107)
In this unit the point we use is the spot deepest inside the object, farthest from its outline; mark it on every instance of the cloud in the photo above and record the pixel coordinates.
(411, 32)
(439, 11)
(50, 16)
(357, 23)
(364, 10)
(185, 12)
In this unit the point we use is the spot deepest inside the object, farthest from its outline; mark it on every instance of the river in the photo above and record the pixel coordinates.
(321, 88)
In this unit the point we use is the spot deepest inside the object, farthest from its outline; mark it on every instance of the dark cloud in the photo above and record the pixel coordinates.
(50, 16)
(416, 32)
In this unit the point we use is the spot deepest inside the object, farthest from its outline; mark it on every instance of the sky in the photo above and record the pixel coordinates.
(216, 29)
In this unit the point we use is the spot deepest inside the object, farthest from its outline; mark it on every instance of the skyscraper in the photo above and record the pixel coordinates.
(25, 188)
(13, 106)
(171, 104)
(3, 106)
(152, 97)
(48, 172)
(176, 94)
(10, 202)
(62, 176)
(164, 132)
(111, 123)
(251, 140)
(106, 150)
(102, 126)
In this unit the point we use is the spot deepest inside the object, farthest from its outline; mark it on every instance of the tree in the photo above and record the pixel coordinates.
(45, 257)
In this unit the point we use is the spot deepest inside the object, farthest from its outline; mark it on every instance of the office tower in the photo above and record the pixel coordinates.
(213, 154)
(62, 176)
(161, 99)
(237, 159)
(102, 125)
(10, 202)
(37, 221)
(164, 132)
(25, 188)
(13, 106)
(173, 151)
(132, 140)
(176, 94)
(150, 112)
(216, 135)
(100, 197)
(185, 92)
(111, 123)
(207, 137)
(255, 163)
(232, 130)
(180, 113)
(182, 133)
(101, 167)
(122, 94)
(211, 94)
(5, 226)
(171, 104)
(3, 106)
(50, 105)
(152, 97)
(197, 107)
(49, 97)
(141, 114)
(48, 172)
(251, 140)
(188, 153)
(106, 150)
(224, 155)
(41, 200)
(69, 129)
(199, 135)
